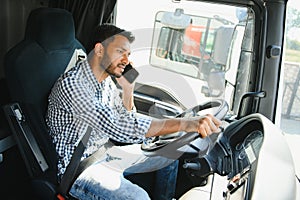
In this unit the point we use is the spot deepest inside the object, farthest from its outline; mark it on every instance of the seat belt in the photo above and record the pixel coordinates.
(76, 166)
(71, 170)
(94, 157)
(77, 56)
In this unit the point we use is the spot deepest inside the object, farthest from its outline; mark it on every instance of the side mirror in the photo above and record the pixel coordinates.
(223, 39)
(216, 84)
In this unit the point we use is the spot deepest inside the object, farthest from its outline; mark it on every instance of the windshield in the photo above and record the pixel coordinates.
(204, 49)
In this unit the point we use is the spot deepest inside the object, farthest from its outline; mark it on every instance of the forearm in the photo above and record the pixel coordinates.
(204, 125)
(167, 126)
(127, 98)
(127, 94)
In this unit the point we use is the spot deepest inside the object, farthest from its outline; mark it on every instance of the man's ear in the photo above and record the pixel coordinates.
(99, 49)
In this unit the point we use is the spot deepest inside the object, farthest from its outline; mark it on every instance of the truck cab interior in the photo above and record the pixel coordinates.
(193, 57)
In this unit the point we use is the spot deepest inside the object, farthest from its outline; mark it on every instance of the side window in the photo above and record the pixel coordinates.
(290, 102)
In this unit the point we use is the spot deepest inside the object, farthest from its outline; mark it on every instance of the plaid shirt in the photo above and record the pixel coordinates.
(78, 100)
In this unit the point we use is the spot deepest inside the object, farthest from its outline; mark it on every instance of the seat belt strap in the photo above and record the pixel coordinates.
(94, 157)
(77, 56)
(71, 170)
(76, 166)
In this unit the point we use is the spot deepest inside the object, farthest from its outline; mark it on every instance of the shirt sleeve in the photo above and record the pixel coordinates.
(112, 120)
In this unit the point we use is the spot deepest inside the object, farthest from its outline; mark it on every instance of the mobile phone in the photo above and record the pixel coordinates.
(130, 73)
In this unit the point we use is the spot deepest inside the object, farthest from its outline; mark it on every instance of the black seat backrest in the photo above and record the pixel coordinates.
(31, 69)
(33, 65)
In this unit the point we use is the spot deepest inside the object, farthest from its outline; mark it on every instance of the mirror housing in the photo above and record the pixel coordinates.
(176, 20)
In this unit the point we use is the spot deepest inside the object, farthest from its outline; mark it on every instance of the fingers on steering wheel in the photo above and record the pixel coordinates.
(215, 120)
(202, 131)
(208, 125)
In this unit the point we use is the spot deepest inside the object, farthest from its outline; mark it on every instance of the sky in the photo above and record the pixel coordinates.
(294, 33)
(294, 3)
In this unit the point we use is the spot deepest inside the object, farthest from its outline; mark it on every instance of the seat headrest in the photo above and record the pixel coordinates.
(51, 28)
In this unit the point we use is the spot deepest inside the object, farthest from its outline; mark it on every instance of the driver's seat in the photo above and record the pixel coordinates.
(31, 68)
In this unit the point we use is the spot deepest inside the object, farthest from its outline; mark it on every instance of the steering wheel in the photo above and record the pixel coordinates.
(174, 145)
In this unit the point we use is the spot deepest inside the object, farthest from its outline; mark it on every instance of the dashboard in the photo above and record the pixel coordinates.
(258, 162)
(248, 153)
(244, 157)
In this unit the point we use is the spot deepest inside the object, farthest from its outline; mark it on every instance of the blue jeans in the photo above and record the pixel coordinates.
(105, 179)
(164, 178)
(165, 184)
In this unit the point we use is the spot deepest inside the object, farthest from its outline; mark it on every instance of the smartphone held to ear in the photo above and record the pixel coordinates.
(130, 73)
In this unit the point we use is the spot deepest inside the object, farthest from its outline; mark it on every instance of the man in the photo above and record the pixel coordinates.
(87, 96)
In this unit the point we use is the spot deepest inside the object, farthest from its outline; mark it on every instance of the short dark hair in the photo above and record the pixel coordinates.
(105, 33)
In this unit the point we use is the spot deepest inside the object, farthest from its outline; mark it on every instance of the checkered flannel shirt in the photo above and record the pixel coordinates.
(78, 100)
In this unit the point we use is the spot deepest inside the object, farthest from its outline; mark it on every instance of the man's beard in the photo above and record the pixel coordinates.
(107, 66)
(110, 72)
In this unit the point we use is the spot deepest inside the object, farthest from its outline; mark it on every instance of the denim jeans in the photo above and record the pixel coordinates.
(165, 176)
(105, 179)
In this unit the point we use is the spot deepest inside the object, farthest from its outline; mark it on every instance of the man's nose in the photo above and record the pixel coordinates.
(125, 59)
